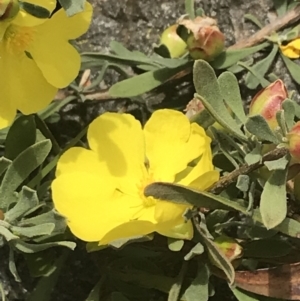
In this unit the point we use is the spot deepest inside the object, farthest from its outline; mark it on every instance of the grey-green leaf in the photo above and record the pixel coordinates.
(72, 7)
(198, 290)
(21, 168)
(289, 108)
(209, 92)
(293, 68)
(279, 164)
(259, 127)
(143, 83)
(27, 199)
(230, 91)
(198, 249)
(20, 136)
(273, 202)
(230, 57)
(260, 68)
(190, 9)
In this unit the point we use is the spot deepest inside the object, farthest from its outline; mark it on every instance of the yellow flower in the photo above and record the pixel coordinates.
(292, 49)
(101, 191)
(36, 59)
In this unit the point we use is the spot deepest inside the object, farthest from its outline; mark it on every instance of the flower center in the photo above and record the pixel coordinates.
(147, 201)
(18, 38)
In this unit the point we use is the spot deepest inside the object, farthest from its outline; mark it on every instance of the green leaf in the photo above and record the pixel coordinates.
(217, 256)
(21, 135)
(254, 156)
(203, 118)
(266, 248)
(21, 168)
(72, 7)
(143, 83)
(279, 164)
(209, 92)
(280, 6)
(30, 232)
(94, 294)
(190, 9)
(230, 91)
(289, 109)
(198, 249)
(253, 19)
(35, 10)
(260, 68)
(293, 68)
(183, 195)
(174, 244)
(32, 248)
(198, 290)
(7, 234)
(27, 199)
(46, 284)
(4, 164)
(259, 127)
(230, 57)
(243, 183)
(273, 202)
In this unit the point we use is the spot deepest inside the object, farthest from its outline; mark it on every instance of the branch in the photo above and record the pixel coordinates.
(290, 17)
(245, 169)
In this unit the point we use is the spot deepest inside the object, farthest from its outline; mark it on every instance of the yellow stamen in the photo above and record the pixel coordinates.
(18, 38)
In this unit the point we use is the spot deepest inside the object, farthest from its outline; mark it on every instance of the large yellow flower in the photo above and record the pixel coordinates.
(101, 190)
(36, 58)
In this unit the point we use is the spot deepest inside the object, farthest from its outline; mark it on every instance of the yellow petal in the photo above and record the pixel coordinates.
(170, 144)
(80, 198)
(134, 228)
(181, 231)
(206, 180)
(93, 208)
(25, 19)
(204, 163)
(167, 212)
(22, 84)
(118, 140)
(70, 28)
(58, 60)
(292, 49)
(78, 159)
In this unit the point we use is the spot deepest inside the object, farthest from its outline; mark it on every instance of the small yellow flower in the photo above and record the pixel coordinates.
(36, 58)
(101, 191)
(292, 49)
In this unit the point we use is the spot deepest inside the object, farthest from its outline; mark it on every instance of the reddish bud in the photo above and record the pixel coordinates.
(174, 43)
(205, 40)
(268, 102)
(294, 141)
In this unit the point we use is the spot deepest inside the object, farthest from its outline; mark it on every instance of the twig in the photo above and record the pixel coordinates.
(290, 17)
(245, 169)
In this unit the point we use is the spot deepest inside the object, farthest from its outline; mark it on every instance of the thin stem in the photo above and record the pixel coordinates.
(42, 126)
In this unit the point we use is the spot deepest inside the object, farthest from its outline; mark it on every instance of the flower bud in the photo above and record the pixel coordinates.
(229, 247)
(268, 102)
(175, 45)
(294, 141)
(8, 9)
(205, 40)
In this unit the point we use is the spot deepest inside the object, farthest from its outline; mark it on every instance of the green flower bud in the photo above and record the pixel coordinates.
(175, 45)
(205, 40)
(268, 102)
(8, 9)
